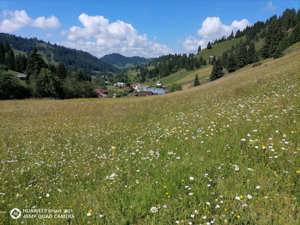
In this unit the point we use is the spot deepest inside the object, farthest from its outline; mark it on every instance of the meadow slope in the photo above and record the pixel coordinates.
(227, 152)
(186, 78)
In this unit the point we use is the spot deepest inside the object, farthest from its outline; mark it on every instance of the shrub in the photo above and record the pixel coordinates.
(12, 88)
(175, 87)
(75, 89)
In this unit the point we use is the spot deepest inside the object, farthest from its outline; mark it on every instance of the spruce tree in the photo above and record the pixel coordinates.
(21, 63)
(10, 59)
(217, 71)
(278, 53)
(295, 36)
(46, 84)
(34, 64)
(61, 71)
(2, 54)
(251, 53)
(232, 64)
(209, 46)
(225, 59)
(242, 55)
(265, 50)
(196, 81)
(199, 49)
(274, 36)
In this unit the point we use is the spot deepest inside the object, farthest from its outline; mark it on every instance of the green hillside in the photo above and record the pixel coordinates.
(53, 53)
(121, 61)
(226, 152)
(184, 77)
(219, 48)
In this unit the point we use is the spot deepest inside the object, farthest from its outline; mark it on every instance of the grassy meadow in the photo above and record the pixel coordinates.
(219, 48)
(186, 78)
(227, 152)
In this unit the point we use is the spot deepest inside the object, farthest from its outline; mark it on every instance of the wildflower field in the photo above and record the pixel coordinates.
(227, 152)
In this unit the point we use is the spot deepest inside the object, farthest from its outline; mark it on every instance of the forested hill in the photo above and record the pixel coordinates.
(53, 53)
(262, 40)
(123, 61)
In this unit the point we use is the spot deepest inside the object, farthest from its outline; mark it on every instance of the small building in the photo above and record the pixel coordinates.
(120, 84)
(142, 90)
(143, 93)
(101, 92)
(21, 76)
(137, 86)
(159, 84)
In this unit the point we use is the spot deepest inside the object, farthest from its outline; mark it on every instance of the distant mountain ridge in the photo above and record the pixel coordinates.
(54, 53)
(122, 61)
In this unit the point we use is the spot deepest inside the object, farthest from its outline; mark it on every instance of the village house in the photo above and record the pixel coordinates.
(101, 92)
(159, 84)
(142, 90)
(120, 84)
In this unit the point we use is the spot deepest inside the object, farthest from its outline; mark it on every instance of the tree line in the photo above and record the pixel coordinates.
(277, 33)
(166, 65)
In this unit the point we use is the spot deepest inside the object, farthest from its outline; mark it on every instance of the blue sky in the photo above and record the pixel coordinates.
(147, 28)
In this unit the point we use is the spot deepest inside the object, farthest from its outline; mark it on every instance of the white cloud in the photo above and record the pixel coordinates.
(12, 21)
(99, 36)
(213, 28)
(191, 44)
(270, 6)
(46, 23)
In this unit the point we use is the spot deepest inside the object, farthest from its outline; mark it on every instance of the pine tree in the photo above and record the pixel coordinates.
(242, 55)
(10, 59)
(251, 53)
(2, 54)
(46, 84)
(199, 49)
(288, 19)
(295, 36)
(265, 50)
(232, 64)
(217, 71)
(209, 46)
(34, 64)
(277, 53)
(273, 38)
(82, 76)
(196, 81)
(61, 71)
(225, 59)
(21, 63)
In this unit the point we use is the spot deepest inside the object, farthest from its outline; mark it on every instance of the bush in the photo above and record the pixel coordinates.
(46, 85)
(175, 87)
(117, 92)
(75, 89)
(12, 88)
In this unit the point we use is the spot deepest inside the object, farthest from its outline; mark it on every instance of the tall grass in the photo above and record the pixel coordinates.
(224, 153)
